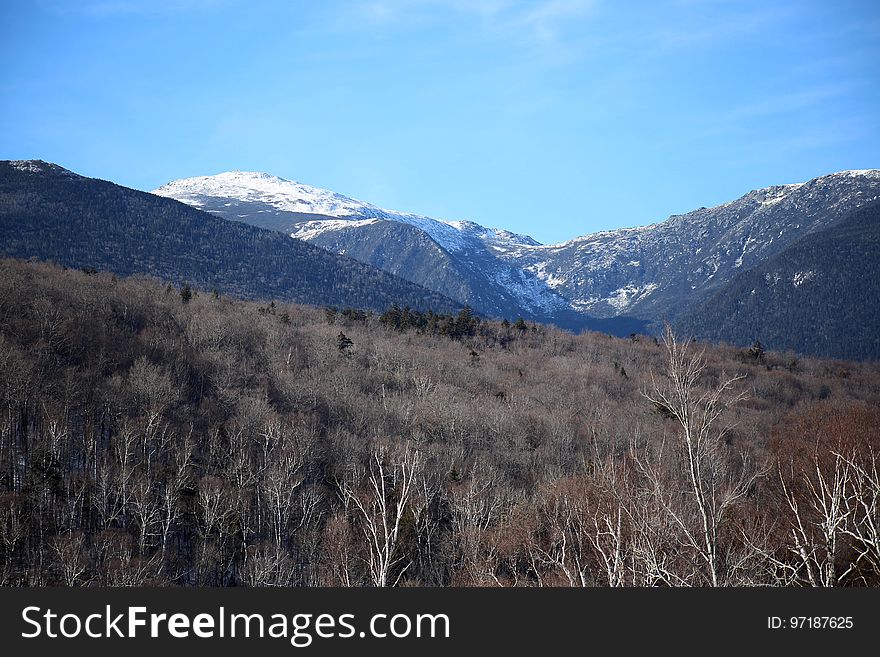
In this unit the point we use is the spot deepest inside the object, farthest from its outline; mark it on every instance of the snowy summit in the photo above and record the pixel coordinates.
(290, 196)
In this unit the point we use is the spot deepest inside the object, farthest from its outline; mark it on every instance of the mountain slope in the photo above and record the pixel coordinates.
(660, 271)
(247, 194)
(408, 252)
(455, 258)
(818, 296)
(651, 272)
(49, 213)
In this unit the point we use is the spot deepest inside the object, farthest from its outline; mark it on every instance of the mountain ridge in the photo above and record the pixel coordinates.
(299, 198)
(690, 269)
(653, 272)
(50, 213)
(455, 256)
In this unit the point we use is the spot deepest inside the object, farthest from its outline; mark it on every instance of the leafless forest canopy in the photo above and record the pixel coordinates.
(153, 435)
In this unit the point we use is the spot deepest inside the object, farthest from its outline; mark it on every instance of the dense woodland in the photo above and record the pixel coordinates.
(157, 434)
(55, 215)
(818, 296)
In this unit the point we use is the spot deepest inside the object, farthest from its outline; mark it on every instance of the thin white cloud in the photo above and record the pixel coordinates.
(132, 7)
(546, 19)
(527, 20)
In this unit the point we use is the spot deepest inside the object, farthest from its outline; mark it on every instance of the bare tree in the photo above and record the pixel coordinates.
(216, 507)
(656, 543)
(862, 503)
(124, 466)
(821, 513)
(337, 567)
(381, 508)
(278, 488)
(427, 502)
(178, 479)
(476, 506)
(117, 563)
(714, 486)
(611, 531)
(567, 521)
(69, 556)
(13, 530)
(268, 564)
(146, 511)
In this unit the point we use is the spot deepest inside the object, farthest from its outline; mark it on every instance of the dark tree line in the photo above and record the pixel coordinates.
(464, 324)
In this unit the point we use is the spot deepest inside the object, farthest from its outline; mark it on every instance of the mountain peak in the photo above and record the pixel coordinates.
(39, 166)
(223, 193)
(855, 173)
(250, 176)
(282, 194)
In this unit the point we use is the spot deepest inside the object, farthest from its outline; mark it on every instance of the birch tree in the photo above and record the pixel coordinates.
(380, 510)
(712, 484)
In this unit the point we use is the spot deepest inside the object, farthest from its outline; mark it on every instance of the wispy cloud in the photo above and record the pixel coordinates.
(531, 22)
(545, 20)
(131, 7)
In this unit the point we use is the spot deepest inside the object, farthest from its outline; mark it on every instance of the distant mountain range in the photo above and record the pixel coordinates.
(634, 278)
(793, 266)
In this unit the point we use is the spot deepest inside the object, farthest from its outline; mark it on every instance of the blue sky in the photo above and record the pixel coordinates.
(554, 118)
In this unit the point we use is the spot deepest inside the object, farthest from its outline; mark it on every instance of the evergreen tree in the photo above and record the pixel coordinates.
(756, 351)
(343, 342)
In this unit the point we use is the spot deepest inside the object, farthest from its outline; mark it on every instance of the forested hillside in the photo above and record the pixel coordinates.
(818, 296)
(50, 213)
(159, 435)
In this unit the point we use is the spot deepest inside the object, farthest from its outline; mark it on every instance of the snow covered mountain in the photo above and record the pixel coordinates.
(456, 256)
(229, 192)
(659, 270)
(653, 272)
